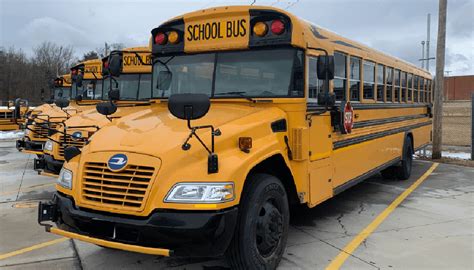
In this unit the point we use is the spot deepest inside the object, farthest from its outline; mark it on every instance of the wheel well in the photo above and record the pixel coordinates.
(276, 166)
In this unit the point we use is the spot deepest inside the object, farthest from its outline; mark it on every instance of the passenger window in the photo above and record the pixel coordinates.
(422, 90)
(380, 82)
(404, 87)
(369, 80)
(410, 88)
(416, 87)
(389, 90)
(354, 81)
(396, 85)
(313, 82)
(430, 92)
(340, 75)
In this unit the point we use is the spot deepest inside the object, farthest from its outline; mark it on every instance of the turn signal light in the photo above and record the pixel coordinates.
(173, 37)
(278, 27)
(260, 29)
(245, 144)
(161, 38)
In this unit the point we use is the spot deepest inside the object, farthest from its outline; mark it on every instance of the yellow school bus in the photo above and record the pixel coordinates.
(13, 114)
(259, 110)
(134, 88)
(78, 87)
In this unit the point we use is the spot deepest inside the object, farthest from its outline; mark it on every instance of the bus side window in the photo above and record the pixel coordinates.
(340, 75)
(416, 87)
(380, 82)
(354, 82)
(404, 87)
(410, 87)
(314, 84)
(396, 83)
(369, 80)
(389, 90)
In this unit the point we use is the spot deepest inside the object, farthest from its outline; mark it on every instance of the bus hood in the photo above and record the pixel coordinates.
(155, 132)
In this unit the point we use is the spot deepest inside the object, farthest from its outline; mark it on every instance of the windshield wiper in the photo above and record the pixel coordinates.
(237, 93)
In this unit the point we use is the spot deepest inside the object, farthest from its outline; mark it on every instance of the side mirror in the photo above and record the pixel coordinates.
(17, 108)
(115, 64)
(189, 106)
(164, 79)
(106, 108)
(114, 94)
(62, 103)
(325, 66)
(79, 98)
(79, 78)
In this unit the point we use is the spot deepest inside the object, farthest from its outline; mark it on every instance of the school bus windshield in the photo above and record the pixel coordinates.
(91, 89)
(62, 92)
(258, 73)
(131, 86)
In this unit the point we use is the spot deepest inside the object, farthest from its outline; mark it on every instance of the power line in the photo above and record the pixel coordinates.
(291, 4)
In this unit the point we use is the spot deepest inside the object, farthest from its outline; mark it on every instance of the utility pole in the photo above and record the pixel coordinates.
(438, 101)
(422, 54)
(428, 43)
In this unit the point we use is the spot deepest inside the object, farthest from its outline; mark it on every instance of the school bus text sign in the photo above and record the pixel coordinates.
(220, 32)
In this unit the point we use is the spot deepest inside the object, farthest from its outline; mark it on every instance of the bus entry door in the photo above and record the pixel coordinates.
(321, 169)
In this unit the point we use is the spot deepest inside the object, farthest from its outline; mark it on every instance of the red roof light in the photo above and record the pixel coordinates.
(278, 27)
(160, 38)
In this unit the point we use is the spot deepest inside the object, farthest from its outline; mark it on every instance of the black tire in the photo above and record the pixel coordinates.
(262, 227)
(403, 170)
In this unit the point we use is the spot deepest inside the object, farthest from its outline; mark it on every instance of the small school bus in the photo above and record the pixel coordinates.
(79, 86)
(133, 85)
(258, 110)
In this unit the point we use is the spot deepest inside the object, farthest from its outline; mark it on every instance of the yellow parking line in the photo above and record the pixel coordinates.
(352, 246)
(26, 189)
(31, 248)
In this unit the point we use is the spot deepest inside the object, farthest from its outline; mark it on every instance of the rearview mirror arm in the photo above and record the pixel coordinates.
(141, 59)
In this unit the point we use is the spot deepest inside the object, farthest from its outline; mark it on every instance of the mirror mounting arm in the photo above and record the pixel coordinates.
(212, 160)
(141, 59)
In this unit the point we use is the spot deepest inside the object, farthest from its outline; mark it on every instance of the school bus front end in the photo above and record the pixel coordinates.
(134, 86)
(234, 139)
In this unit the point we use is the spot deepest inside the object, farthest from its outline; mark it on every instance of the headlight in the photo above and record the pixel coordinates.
(201, 193)
(48, 145)
(65, 178)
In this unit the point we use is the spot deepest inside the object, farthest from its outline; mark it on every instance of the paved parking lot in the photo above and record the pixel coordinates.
(431, 229)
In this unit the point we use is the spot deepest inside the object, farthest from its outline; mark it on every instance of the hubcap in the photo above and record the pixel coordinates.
(269, 229)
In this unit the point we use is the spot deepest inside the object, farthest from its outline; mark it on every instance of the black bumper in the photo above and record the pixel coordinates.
(186, 233)
(48, 164)
(29, 145)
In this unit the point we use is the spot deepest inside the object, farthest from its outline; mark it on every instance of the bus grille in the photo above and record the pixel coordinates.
(126, 188)
(69, 142)
(41, 132)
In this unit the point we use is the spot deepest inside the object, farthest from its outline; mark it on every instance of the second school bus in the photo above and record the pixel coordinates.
(134, 87)
(246, 126)
(79, 86)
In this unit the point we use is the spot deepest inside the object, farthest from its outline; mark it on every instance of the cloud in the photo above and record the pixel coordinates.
(51, 29)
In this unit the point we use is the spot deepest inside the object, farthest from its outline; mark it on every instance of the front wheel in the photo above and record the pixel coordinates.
(262, 229)
(403, 170)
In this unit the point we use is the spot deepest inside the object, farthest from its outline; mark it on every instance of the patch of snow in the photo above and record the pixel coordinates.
(448, 154)
(6, 135)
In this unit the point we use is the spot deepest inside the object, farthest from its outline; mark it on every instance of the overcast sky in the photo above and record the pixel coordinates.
(393, 26)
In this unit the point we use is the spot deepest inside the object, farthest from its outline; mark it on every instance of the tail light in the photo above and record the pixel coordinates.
(277, 27)
(106, 64)
(161, 38)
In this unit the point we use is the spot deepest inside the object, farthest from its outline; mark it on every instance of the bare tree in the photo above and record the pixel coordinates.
(103, 51)
(90, 55)
(51, 60)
